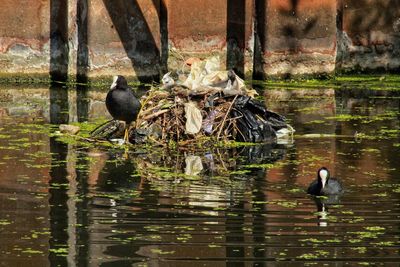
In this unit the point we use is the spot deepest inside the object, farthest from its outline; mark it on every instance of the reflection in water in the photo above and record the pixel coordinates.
(59, 105)
(127, 202)
(58, 198)
(82, 100)
(82, 209)
(242, 206)
(323, 203)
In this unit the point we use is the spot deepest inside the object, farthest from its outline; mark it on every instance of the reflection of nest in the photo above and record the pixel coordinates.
(184, 117)
(164, 166)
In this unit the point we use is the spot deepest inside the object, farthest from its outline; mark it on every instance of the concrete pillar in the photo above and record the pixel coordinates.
(298, 37)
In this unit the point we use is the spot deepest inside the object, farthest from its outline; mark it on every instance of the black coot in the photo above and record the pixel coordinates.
(324, 184)
(122, 103)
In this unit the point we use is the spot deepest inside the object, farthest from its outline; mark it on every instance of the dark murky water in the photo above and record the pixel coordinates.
(79, 205)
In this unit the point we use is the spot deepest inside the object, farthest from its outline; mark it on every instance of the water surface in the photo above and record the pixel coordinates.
(77, 204)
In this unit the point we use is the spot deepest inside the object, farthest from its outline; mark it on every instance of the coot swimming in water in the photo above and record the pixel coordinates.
(324, 184)
(122, 103)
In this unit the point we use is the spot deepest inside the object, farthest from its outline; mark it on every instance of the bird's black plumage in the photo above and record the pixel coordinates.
(121, 102)
(332, 186)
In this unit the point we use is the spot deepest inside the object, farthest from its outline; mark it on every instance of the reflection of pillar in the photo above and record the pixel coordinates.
(82, 213)
(59, 106)
(259, 222)
(58, 203)
(235, 234)
(71, 204)
(82, 102)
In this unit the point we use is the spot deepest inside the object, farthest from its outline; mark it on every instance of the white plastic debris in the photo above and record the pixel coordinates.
(194, 166)
(194, 118)
(285, 135)
(207, 75)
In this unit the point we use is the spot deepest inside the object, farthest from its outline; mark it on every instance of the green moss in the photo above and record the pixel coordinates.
(373, 82)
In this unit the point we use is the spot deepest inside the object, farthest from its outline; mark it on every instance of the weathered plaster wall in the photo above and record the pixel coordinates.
(370, 35)
(300, 37)
(124, 37)
(24, 36)
(208, 27)
(141, 38)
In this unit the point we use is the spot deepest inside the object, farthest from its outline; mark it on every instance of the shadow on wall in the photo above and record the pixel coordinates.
(136, 36)
(294, 32)
(130, 23)
(371, 24)
(375, 16)
(289, 28)
(236, 35)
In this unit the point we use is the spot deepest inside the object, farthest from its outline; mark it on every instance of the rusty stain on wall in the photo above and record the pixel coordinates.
(24, 36)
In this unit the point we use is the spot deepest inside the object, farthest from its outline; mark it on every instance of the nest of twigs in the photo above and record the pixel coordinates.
(184, 116)
(164, 118)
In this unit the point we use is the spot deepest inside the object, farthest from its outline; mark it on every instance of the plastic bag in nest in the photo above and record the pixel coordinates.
(194, 118)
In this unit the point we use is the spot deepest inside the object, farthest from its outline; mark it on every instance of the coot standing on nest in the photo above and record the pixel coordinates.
(324, 184)
(122, 103)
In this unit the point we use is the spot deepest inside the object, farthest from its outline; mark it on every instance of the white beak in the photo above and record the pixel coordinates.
(114, 83)
(324, 175)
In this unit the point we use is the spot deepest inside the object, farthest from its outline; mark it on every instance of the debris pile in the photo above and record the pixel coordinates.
(207, 102)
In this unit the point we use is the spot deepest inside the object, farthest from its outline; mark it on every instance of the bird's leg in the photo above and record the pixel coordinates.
(126, 135)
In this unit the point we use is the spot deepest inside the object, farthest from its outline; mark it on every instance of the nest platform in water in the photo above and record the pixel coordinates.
(184, 116)
(206, 102)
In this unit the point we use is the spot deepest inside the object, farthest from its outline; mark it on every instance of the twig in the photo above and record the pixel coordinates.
(226, 116)
(158, 113)
(157, 142)
(177, 125)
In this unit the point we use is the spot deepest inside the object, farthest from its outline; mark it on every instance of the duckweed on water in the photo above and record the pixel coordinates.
(161, 252)
(283, 203)
(375, 228)
(384, 243)
(32, 251)
(381, 194)
(361, 250)
(316, 255)
(5, 222)
(336, 240)
(312, 240)
(59, 251)
(370, 150)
